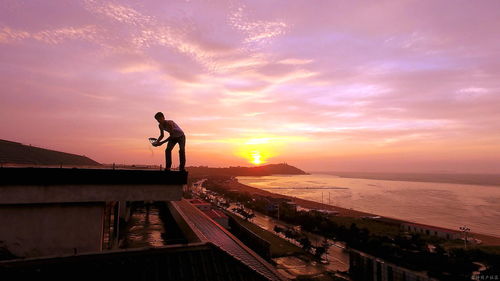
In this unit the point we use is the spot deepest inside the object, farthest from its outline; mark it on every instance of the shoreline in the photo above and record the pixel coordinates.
(487, 240)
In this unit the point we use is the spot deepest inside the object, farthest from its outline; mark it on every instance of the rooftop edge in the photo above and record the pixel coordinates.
(61, 176)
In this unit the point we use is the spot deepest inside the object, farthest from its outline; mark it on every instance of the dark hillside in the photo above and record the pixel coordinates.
(265, 170)
(17, 153)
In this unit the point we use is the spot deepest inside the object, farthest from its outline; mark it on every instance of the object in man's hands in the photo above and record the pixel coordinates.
(152, 140)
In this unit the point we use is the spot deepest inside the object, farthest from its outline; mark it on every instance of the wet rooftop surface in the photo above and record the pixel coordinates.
(151, 225)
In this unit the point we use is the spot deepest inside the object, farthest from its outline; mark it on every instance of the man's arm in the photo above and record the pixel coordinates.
(164, 141)
(158, 143)
(161, 134)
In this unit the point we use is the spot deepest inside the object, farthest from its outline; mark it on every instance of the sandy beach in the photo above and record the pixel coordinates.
(235, 185)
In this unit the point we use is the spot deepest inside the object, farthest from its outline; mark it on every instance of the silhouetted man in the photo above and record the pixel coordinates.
(176, 136)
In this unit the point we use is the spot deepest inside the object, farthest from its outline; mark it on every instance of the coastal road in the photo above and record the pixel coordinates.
(336, 255)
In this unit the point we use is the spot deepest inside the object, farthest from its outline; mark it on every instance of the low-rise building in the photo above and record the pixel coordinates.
(329, 212)
(431, 230)
(365, 267)
(291, 206)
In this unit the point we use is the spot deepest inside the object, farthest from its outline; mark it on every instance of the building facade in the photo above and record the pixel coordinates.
(364, 267)
(431, 230)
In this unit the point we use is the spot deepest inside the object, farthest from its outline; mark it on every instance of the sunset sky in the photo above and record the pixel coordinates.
(323, 85)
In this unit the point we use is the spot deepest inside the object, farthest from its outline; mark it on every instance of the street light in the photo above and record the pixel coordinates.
(465, 229)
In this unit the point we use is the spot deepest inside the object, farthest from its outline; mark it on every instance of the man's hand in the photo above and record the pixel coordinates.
(158, 143)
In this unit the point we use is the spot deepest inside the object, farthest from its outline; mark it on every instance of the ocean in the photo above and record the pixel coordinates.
(449, 205)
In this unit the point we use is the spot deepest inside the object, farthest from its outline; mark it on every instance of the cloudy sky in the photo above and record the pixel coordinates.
(324, 85)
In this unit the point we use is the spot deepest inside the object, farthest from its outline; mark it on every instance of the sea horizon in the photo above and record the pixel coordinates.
(443, 204)
(476, 178)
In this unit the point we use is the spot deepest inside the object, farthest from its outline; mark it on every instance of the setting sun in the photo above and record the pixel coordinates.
(257, 151)
(256, 158)
(262, 149)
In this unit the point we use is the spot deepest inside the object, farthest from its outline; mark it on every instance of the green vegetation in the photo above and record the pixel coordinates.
(279, 246)
(375, 227)
(451, 244)
(491, 250)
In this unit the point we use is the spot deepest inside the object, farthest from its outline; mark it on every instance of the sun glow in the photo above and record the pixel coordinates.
(256, 157)
(257, 151)
(260, 150)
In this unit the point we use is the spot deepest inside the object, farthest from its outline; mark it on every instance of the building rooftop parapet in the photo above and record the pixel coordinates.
(61, 176)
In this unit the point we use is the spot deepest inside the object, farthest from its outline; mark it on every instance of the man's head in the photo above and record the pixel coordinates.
(159, 117)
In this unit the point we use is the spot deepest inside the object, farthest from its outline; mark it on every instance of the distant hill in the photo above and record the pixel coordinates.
(17, 153)
(265, 170)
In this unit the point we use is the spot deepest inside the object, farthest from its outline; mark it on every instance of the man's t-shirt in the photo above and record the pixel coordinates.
(176, 130)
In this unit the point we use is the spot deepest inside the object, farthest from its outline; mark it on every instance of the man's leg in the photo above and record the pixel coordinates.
(182, 153)
(168, 153)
